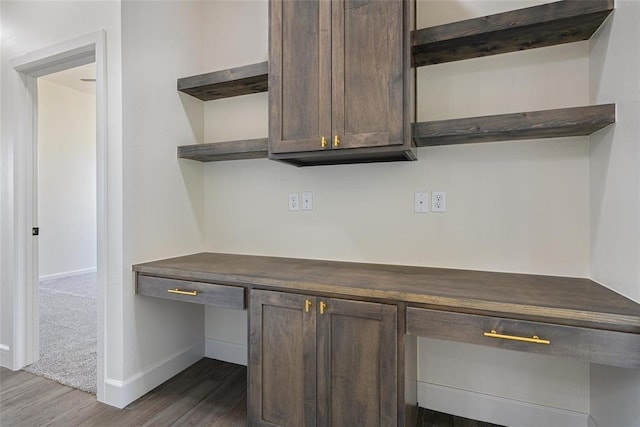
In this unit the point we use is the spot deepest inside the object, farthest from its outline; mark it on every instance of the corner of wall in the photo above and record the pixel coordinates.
(121, 393)
(615, 393)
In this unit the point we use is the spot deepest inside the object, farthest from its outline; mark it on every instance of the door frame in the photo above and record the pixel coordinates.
(19, 247)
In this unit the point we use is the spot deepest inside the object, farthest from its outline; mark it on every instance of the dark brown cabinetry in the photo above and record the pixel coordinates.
(321, 361)
(340, 81)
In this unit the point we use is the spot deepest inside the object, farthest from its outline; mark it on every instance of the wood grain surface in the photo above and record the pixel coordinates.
(282, 360)
(226, 150)
(205, 293)
(355, 82)
(560, 300)
(227, 83)
(299, 76)
(590, 345)
(209, 393)
(575, 121)
(533, 27)
(357, 364)
(30, 400)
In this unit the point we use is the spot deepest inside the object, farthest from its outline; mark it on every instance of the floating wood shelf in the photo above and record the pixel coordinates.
(574, 121)
(530, 125)
(545, 25)
(227, 83)
(229, 150)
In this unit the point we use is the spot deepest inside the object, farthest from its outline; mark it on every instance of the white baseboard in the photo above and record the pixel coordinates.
(226, 351)
(68, 273)
(6, 361)
(121, 393)
(497, 410)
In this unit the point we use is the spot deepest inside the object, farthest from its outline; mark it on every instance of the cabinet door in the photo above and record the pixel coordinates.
(282, 360)
(299, 75)
(368, 74)
(357, 364)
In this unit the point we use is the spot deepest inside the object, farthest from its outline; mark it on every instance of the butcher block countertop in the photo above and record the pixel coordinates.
(550, 299)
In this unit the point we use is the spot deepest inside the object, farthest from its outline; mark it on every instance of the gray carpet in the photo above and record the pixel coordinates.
(68, 332)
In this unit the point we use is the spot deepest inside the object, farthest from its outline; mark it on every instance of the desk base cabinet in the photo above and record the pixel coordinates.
(321, 361)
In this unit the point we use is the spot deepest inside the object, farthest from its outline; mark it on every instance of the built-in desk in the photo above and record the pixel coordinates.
(391, 304)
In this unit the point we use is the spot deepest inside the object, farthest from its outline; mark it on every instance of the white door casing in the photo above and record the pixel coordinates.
(19, 262)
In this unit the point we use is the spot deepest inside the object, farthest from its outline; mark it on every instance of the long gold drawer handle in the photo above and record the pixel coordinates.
(535, 339)
(179, 292)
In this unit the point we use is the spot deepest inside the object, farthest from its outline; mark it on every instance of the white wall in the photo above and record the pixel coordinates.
(615, 197)
(615, 153)
(515, 206)
(163, 197)
(66, 179)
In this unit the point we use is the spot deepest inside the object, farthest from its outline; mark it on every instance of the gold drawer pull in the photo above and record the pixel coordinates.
(535, 339)
(179, 292)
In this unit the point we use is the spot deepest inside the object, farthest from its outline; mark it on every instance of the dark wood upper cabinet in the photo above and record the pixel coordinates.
(340, 81)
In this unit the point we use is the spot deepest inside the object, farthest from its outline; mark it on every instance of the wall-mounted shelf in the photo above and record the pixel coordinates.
(575, 121)
(545, 25)
(538, 26)
(229, 150)
(562, 122)
(227, 83)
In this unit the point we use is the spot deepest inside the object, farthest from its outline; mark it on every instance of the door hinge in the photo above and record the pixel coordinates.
(35, 231)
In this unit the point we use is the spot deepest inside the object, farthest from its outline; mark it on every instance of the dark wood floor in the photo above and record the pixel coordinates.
(209, 393)
(429, 418)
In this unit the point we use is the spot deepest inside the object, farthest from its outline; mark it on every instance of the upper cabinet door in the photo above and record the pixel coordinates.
(340, 81)
(368, 74)
(300, 76)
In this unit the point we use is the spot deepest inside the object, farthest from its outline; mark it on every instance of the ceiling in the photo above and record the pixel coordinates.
(71, 78)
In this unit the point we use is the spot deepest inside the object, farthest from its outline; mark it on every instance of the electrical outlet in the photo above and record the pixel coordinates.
(294, 202)
(438, 201)
(307, 201)
(420, 202)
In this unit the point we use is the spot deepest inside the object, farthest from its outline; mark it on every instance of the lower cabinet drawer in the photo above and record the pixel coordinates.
(591, 345)
(197, 292)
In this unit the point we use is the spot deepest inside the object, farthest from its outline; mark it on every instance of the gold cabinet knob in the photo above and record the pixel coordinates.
(323, 144)
(323, 307)
(336, 141)
(307, 306)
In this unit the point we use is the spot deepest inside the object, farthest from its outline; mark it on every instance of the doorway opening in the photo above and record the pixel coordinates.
(66, 218)
(20, 208)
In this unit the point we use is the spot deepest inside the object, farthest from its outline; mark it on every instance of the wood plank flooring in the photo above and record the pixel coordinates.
(209, 393)
(429, 418)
